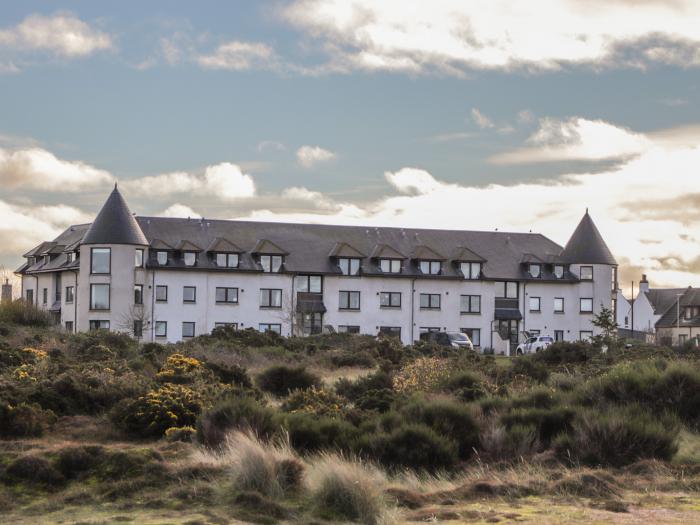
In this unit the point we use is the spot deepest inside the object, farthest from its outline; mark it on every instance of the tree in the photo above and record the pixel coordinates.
(605, 320)
(136, 314)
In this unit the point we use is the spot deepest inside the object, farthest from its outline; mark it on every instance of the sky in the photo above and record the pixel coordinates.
(476, 115)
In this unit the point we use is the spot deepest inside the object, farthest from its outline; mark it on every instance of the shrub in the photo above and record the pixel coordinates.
(309, 433)
(425, 374)
(317, 401)
(24, 420)
(180, 369)
(362, 359)
(547, 422)
(528, 367)
(184, 434)
(347, 490)
(73, 461)
(499, 442)
(566, 352)
(280, 380)
(539, 397)
(235, 413)
(466, 385)
(23, 313)
(35, 470)
(618, 437)
(231, 374)
(379, 400)
(353, 390)
(247, 336)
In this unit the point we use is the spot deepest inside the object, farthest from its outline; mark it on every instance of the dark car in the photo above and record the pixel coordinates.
(453, 339)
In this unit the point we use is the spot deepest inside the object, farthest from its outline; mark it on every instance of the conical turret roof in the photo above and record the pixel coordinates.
(115, 224)
(586, 245)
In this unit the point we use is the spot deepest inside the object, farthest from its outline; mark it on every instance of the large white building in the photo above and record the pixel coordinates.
(165, 279)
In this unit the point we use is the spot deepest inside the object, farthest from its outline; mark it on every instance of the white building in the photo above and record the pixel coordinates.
(165, 279)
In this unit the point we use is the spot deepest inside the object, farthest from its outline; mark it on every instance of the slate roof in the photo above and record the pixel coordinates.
(343, 249)
(115, 224)
(586, 245)
(661, 299)
(690, 297)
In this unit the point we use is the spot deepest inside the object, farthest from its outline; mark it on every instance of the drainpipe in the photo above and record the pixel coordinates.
(525, 304)
(75, 303)
(36, 289)
(292, 302)
(413, 295)
(153, 306)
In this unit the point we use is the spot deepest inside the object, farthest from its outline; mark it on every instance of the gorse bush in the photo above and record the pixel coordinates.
(240, 412)
(310, 433)
(353, 390)
(466, 385)
(280, 380)
(180, 369)
(316, 401)
(566, 352)
(425, 374)
(547, 423)
(24, 420)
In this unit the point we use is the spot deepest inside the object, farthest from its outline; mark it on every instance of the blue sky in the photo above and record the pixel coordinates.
(460, 115)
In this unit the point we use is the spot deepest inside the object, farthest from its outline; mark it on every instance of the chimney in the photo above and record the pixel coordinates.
(6, 296)
(643, 284)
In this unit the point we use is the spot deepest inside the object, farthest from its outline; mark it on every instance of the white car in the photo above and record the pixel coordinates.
(534, 344)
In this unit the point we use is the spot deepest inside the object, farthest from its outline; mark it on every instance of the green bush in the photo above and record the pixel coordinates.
(379, 400)
(35, 470)
(231, 374)
(235, 413)
(23, 313)
(527, 366)
(280, 380)
(246, 337)
(566, 352)
(74, 461)
(24, 420)
(347, 358)
(310, 433)
(547, 422)
(353, 390)
(466, 385)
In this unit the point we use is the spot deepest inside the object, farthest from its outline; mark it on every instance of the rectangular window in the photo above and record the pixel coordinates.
(558, 271)
(99, 297)
(585, 335)
(162, 258)
(161, 293)
(187, 329)
(138, 258)
(348, 329)
(390, 299)
(470, 270)
(534, 304)
(349, 266)
(390, 265)
(138, 294)
(390, 331)
(30, 296)
(309, 283)
(430, 267)
(586, 273)
(161, 329)
(270, 298)
(470, 304)
(226, 295)
(535, 271)
(349, 300)
(474, 335)
(558, 305)
(271, 263)
(99, 325)
(189, 294)
(227, 260)
(69, 294)
(45, 295)
(232, 325)
(270, 327)
(558, 335)
(69, 326)
(586, 305)
(100, 261)
(69, 257)
(190, 258)
(507, 290)
(138, 328)
(429, 329)
(430, 301)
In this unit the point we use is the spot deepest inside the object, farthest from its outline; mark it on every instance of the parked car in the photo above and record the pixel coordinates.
(453, 339)
(534, 344)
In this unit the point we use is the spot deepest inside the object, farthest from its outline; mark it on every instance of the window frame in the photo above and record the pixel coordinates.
(138, 264)
(68, 326)
(138, 294)
(109, 297)
(532, 266)
(269, 294)
(45, 296)
(227, 290)
(137, 329)
(391, 295)
(346, 305)
(391, 263)
(505, 286)
(70, 294)
(308, 278)
(188, 324)
(469, 298)
(470, 333)
(161, 286)
(92, 261)
(581, 337)
(390, 331)
(167, 257)
(91, 324)
(580, 272)
(348, 329)
(430, 266)
(581, 310)
(269, 327)
(227, 259)
(563, 305)
(194, 260)
(187, 301)
(554, 271)
(539, 304)
(155, 328)
(342, 261)
(220, 324)
(270, 266)
(431, 297)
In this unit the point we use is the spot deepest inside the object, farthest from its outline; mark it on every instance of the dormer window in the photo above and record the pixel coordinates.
(69, 257)
(47, 259)
(430, 267)
(390, 265)
(227, 260)
(31, 261)
(558, 271)
(349, 266)
(162, 257)
(535, 270)
(470, 270)
(190, 258)
(271, 263)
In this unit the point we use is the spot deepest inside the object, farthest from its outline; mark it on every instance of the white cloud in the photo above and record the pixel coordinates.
(38, 169)
(179, 210)
(265, 145)
(412, 181)
(453, 35)
(239, 56)
(481, 120)
(308, 156)
(62, 34)
(223, 181)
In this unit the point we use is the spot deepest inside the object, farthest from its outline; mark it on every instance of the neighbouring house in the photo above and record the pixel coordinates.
(168, 279)
(680, 323)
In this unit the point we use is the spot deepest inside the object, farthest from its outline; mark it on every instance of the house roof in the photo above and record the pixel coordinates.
(223, 245)
(115, 224)
(343, 249)
(690, 297)
(661, 299)
(586, 245)
(267, 247)
(464, 254)
(426, 253)
(384, 251)
(71, 236)
(158, 244)
(188, 246)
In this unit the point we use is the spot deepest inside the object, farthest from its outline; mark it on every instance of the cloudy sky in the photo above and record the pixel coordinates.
(471, 115)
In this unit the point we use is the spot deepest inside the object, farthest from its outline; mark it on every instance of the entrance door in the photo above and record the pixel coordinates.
(508, 328)
(311, 323)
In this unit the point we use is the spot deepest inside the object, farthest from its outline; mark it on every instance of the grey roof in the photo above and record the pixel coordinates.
(426, 253)
(586, 245)
(690, 297)
(70, 237)
(661, 299)
(115, 224)
(343, 249)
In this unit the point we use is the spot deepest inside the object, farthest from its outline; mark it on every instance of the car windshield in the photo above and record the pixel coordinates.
(458, 337)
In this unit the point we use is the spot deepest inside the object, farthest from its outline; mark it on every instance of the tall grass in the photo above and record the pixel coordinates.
(23, 313)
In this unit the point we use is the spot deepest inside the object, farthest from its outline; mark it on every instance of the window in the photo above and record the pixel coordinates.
(349, 301)
(349, 266)
(99, 325)
(558, 271)
(390, 265)
(585, 335)
(162, 258)
(45, 295)
(688, 313)
(69, 326)
(227, 260)
(429, 329)
(100, 261)
(430, 267)
(99, 297)
(534, 304)
(138, 328)
(189, 294)
(586, 305)
(348, 329)
(69, 294)
(69, 257)
(226, 295)
(558, 305)
(232, 325)
(270, 327)
(390, 299)
(390, 331)
(138, 294)
(470, 270)
(187, 329)
(138, 258)
(534, 333)
(190, 258)
(47, 259)
(558, 335)
(30, 296)
(470, 304)
(474, 335)
(161, 293)
(430, 301)
(271, 263)
(682, 339)
(586, 273)
(535, 270)
(161, 329)
(309, 283)
(507, 290)
(270, 298)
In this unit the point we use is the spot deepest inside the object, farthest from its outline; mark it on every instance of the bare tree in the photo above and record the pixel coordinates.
(137, 315)
(288, 315)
